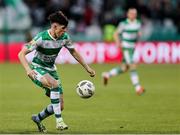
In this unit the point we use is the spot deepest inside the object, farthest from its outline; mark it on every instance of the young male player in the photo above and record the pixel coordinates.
(125, 36)
(42, 70)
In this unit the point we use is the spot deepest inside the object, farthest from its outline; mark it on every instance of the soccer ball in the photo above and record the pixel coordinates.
(85, 89)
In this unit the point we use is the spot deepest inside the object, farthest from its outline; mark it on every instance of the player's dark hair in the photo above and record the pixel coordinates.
(131, 8)
(58, 17)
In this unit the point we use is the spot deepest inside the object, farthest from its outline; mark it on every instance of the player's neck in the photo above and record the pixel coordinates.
(51, 32)
(131, 20)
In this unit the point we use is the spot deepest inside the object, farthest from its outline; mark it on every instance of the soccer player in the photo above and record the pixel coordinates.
(42, 70)
(125, 36)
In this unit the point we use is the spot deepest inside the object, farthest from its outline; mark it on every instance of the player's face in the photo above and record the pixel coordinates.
(132, 14)
(59, 29)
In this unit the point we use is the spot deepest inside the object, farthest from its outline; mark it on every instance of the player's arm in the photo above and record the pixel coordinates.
(78, 57)
(116, 34)
(116, 38)
(139, 34)
(22, 57)
(69, 45)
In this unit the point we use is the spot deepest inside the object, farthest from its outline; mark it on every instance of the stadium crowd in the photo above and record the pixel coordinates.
(89, 17)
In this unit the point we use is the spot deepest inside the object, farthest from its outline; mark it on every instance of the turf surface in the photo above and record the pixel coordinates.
(113, 109)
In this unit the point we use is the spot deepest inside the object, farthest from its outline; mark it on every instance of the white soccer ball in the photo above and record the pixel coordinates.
(85, 89)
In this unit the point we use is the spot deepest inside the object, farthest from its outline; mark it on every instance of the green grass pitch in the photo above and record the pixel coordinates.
(113, 109)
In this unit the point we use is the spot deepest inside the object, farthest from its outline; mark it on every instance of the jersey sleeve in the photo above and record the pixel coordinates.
(120, 27)
(36, 41)
(67, 42)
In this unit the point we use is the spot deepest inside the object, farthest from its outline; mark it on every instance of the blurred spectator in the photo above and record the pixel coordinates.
(15, 21)
(109, 30)
(2, 3)
(88, 14)
(94, 32)
(16, 15)
(85, 15)
(176, 17)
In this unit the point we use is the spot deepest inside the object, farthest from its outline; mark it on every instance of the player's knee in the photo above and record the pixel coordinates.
(132, 66)
(50, 81)
(45, 82)
(125, 68)
(54, 83)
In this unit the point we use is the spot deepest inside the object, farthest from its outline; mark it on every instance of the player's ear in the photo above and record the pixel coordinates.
(54, 26)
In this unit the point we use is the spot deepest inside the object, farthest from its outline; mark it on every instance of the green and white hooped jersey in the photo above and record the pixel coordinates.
(128, 32)
(47, 49)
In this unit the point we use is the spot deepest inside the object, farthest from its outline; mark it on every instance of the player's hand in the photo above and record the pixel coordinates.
(31, 74)
(91, 72)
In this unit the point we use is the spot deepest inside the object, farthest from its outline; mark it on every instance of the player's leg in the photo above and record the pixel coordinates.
(46, 112)
(37, 118)
(114, 72)
(44, 80)
(128, 55)
(41, 116)
(62, 101)
(117, 70)
(135, 79)
(55, 89)
(60, 125)
(61, 98)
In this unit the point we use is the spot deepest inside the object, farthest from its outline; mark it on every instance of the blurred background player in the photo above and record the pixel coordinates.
(42, 70)
(126, 36)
